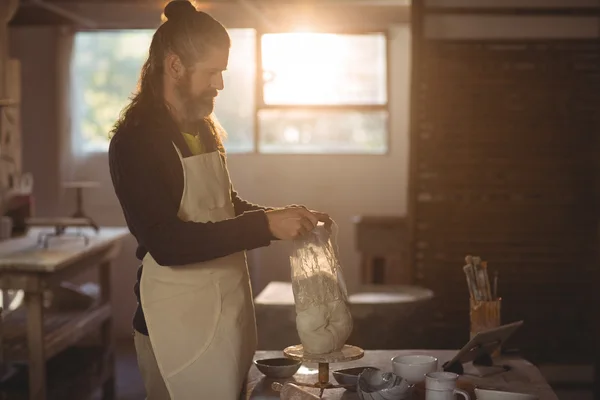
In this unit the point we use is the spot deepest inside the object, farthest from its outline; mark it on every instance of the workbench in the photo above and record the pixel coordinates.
(31, 335)
(523, 376)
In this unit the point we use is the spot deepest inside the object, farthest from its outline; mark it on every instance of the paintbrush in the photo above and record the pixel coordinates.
(470, 284)
(495, 285)
(471, 278)
(479, 278)
(486, 282)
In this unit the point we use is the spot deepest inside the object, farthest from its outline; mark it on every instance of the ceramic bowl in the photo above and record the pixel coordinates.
(349, 376)
(278, 368)
(490, 394)
(374, 384)
(413, 368)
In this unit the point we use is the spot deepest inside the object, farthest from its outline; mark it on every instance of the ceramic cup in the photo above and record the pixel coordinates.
(413, 368)
(442, 386)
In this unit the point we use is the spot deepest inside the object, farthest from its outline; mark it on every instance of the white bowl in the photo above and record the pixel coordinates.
(413, 368)
(489, 394)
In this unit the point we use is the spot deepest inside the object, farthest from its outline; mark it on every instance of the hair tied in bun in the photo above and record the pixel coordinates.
(178, 9)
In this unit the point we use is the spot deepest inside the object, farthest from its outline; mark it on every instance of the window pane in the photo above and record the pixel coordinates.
(322, 68)
(105, 69)
(236, 105)
(308, 131)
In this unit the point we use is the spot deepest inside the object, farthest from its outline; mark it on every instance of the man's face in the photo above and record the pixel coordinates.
(200, 83)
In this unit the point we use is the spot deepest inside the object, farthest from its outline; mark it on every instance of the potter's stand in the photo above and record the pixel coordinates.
(347, 353)
(79, 213)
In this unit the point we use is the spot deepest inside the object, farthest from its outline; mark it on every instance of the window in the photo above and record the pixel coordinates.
(104, 73)
(316, 93)
(236, 105)
(323, 93)
(105, 70)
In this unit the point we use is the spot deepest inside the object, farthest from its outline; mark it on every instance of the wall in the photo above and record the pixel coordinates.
(36, 49)
(344, 186)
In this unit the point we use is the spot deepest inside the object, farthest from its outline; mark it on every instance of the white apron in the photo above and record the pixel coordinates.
(200, 317)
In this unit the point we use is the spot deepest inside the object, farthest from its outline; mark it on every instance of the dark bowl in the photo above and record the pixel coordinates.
(278, 368)
(349, 377)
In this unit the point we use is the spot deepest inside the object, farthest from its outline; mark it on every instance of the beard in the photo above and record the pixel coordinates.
(196, 106)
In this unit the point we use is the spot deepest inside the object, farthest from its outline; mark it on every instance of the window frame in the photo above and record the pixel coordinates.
(261, 105)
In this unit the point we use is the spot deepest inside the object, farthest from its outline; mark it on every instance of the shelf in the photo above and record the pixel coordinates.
(8, 103)
(73, 374)
(62, 330)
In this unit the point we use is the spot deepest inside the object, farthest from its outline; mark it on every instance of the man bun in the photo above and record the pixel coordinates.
(179, 9)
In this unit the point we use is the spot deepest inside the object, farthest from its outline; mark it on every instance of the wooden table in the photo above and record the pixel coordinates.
(523, 376)
(26, 265)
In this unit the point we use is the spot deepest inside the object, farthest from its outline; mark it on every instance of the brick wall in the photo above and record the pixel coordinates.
(504, 136)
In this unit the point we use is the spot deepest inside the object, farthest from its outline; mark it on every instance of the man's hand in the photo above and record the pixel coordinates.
(321, 216)
(291, 222)
(324, 218)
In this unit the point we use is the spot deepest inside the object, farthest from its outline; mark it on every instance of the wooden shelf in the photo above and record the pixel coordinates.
(62, 330)
(8, 103)
(73, 374)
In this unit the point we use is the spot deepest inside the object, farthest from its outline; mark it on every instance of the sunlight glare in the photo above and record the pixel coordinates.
(305, 67)
(302, 29)
(134, 44)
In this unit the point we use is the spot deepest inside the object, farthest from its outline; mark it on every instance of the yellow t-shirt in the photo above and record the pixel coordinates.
(194, 143)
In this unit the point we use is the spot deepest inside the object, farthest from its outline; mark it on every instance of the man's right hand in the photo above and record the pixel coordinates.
(291, 222)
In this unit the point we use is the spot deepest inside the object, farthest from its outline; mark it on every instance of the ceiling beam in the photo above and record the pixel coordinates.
(516, 11)
(326, 18)
(61, 12)
(161, 3)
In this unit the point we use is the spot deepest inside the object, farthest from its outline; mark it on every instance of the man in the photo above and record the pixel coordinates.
(196, 335)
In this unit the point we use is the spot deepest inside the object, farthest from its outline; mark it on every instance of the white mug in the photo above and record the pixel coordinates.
(442, 386)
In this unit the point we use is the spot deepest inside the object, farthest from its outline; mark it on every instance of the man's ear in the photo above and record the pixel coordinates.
(174, 67)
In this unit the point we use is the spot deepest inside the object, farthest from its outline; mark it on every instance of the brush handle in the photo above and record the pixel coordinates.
(486, 281)
(470, 282)
(495, 285)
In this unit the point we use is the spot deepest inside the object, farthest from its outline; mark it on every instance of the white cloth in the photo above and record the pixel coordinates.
(200, 317)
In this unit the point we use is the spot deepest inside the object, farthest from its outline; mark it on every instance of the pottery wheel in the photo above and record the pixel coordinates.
(347, 353)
